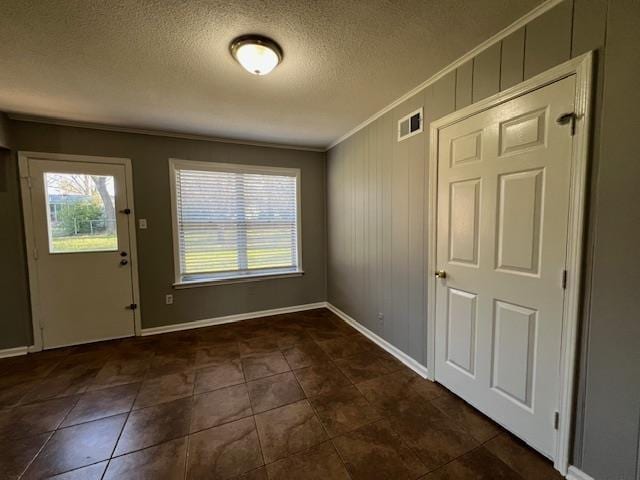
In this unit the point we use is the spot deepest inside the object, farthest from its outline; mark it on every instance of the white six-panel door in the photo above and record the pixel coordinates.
(503, 202)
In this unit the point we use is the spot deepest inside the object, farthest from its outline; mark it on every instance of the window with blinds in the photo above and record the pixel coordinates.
(234, 221)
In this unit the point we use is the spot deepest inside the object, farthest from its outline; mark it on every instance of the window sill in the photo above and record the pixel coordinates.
(230, 280)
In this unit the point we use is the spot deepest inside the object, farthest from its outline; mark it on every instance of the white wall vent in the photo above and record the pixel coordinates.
(410, 125)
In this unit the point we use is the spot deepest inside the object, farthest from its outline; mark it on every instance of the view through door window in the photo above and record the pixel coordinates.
(81, 212)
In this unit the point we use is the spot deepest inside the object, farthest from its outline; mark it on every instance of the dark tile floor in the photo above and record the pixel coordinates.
(298, 396)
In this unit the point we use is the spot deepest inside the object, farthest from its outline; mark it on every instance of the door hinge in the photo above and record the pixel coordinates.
(133, 306)
(35, 253)
(564, 279)
(556, 420)
(569, 117)
(27, 179)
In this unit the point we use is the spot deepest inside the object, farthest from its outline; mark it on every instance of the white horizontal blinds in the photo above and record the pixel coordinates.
(233, 223)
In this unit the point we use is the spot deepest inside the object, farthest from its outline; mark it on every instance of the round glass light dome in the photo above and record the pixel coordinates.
(257, 55)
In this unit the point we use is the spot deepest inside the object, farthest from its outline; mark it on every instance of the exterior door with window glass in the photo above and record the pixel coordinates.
(83, 270)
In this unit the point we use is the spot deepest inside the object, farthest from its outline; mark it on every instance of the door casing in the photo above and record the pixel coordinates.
(582, 68)
(27, 209)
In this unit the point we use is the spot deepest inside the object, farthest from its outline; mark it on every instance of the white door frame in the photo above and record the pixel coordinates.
(581, 67)
(27, 208)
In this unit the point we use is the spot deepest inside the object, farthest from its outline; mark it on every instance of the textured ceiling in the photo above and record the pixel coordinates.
(164, 64)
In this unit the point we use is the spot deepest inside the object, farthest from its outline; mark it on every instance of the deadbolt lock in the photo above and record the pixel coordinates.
(441, 274)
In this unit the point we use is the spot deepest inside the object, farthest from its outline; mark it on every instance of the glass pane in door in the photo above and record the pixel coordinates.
(81, 212)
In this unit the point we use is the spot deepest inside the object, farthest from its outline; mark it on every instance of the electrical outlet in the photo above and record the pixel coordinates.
(169, 299)
(142, 223)
(380, 317)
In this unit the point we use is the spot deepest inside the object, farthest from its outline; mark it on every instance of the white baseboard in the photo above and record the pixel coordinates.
(575, 473)
(400, 355)
(208, 322)
(13, 352)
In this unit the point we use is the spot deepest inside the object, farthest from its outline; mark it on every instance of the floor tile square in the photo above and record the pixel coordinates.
(391, 393)
(528, 463)
(318, 463)
(165, 388)
(321, 379)
(425, 388)
(257, 474)
(102, 403)
(292, 336)
(220, 406)
(275, 391)
(289, 429)
(436, 438)
(69, 381)
(328, 330)
(176, 359)
(377, 452)
(18, 453)
(153, 425)
(252, 346)
(77, 446)
(476, 465)
(481, 427)
(11, 395)
(161, 462)
(90, 472)
(344, 410)
(344, 347)
(35, 418)
(120, 372)
(366, 366)
(305, 355)
(224, 452)
(264, 365)
(209, 356)
(222, 375)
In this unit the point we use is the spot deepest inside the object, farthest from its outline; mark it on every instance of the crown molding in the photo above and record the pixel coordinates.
(522, 21)
(157, 133)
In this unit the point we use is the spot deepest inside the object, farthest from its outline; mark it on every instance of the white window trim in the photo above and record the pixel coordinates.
(178, 164)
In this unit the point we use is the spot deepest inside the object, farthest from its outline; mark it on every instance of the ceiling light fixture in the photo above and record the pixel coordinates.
(258, 55)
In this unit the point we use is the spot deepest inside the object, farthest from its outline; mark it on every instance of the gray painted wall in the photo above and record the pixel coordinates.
(4, 131)
(376, 217)
(15, 317)
(149, 156)
(610, 439)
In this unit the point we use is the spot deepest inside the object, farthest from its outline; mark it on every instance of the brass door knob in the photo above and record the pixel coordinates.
(441, 274)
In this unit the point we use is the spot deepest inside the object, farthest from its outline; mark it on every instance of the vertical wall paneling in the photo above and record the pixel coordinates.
(548, 40)
(395, 181)
(486, 73)
(612, 397)
(441, 101)
(388, 140)
(464, 84)
(397, 329)
(589, 27)
(416, 244)
(512, 60)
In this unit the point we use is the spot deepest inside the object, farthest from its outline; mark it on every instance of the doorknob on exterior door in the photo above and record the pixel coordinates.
(124, 262)
(441, 274)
